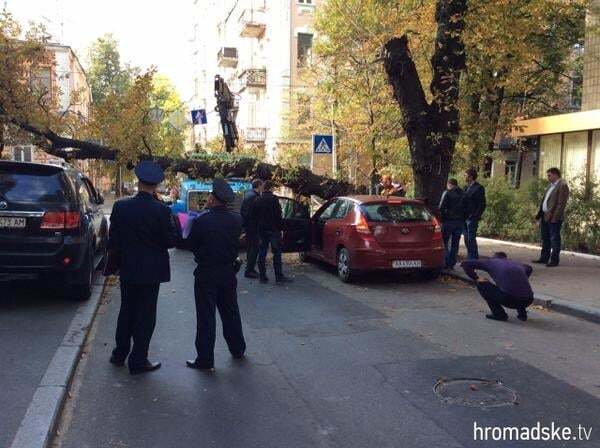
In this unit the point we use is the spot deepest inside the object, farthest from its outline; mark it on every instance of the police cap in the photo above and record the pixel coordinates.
(149, 172)
(222, 191)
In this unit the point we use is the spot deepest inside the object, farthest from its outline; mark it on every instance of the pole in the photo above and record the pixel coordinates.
(334, 149)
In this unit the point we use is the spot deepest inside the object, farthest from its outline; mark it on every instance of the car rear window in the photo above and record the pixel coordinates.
(33, 187)
(386, 212)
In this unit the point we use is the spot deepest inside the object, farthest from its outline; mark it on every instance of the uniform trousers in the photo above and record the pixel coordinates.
(216, 288)
(137, 319)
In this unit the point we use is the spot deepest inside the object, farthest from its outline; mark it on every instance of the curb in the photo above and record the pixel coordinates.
(35, 430)
(549, 302)
(538, 248)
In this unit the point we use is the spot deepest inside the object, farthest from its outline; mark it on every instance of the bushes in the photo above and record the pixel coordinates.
(510, 214)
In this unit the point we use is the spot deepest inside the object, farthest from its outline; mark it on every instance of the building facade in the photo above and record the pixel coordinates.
(568, 141)
(64, 81)
(259, 48)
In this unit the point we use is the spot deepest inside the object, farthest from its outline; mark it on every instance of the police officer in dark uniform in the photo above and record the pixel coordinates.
(214, 240)
(140, 235)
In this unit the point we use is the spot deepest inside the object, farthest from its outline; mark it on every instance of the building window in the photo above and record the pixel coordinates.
(41, 81)
(575, 155)
(304, 49)
(510, 171)
(22, 154)
(303, 104)
(550, 149)
(305, 2)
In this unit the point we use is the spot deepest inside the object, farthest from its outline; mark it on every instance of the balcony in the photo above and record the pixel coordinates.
(253, 77)
(228, 57)
(252, 23)
(255, 135)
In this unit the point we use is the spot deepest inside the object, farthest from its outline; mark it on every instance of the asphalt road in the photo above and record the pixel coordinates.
(33, 322)
(334, 365)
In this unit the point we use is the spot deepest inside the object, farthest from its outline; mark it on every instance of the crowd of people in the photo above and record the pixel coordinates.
(142, 231)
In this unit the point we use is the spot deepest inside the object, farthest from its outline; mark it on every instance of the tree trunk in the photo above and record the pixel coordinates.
(431, 128)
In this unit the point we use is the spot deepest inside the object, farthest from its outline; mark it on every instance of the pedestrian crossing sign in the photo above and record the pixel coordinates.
(322, 144)
(199, 116)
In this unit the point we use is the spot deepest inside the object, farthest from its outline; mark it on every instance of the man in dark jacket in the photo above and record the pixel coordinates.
(251, 228)
(266, 212)
(214, 240)
(511, 288)
(140, 234)
(453, 220)
(474, 201)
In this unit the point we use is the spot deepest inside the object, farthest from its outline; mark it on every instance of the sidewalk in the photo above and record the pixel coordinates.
(575, 283)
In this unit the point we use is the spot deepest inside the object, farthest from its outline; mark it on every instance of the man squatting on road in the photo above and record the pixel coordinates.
(511, 288)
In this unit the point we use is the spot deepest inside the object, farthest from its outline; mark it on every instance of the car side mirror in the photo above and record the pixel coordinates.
(100, 199)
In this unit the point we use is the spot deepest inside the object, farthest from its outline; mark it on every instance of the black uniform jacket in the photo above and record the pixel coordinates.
(214, 239)
(141, 232)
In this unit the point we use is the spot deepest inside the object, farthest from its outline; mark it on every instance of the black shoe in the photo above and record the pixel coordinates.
(251, 274)
(238, 355)
(552, 264)
(148, 367)
(284, 279)
(264, 280)
(120, 362)
(522, 316)
(194, 364)
(494, 317)
(539, 261)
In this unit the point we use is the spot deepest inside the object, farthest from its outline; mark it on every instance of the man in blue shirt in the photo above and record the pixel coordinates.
(511, 288)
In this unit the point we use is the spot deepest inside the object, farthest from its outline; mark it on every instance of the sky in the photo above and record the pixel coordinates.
(150, 32)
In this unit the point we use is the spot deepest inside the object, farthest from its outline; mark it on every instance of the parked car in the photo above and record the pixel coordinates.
(366, 233)
(52, 226)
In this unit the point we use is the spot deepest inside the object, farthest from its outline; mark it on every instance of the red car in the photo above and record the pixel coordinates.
(366, 233)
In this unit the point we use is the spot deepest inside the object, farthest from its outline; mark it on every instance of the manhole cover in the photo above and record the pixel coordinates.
(475, 392)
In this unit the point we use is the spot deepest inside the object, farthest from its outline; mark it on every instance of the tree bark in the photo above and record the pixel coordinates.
(431, 128)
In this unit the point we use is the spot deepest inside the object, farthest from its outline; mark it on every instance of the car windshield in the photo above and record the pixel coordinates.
(32, 188)
(387, 212)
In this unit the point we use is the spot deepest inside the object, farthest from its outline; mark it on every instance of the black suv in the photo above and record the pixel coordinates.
(52, 226)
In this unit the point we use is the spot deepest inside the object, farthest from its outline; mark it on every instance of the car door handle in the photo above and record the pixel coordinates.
(338, 232)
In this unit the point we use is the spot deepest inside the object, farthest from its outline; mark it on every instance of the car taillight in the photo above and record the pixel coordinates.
(361, 225)
(60, 220)
(72, 220)
(437, 228)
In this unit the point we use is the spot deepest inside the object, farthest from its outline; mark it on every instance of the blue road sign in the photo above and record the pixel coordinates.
(199, 116)
(322, 144)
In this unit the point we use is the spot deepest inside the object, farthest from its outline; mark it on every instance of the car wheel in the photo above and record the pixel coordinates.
(343, 265)
(83, 291)
(431, 274)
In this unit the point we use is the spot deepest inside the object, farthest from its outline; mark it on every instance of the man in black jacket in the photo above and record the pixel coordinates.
(214, 240)
(453, 220)
(251, 228)
(140, 234)
(474, 200)
(266, 212)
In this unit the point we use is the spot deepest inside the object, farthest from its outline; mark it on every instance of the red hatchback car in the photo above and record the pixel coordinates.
(366, 233)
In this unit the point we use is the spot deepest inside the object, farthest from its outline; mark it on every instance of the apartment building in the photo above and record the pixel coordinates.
(64, 81)
(258, 47)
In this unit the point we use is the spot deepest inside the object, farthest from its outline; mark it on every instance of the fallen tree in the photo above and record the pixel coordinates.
(301, 180)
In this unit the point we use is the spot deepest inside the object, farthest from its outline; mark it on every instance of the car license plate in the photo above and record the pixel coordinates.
(406, 264)
(8, 222)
